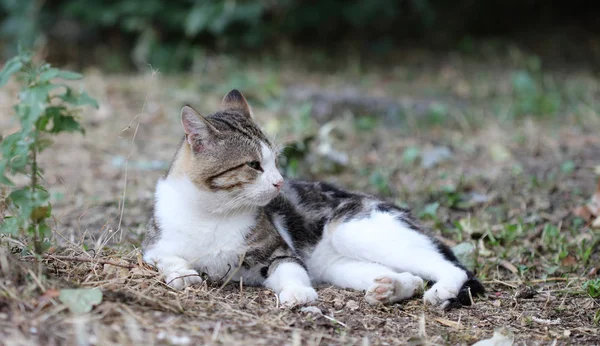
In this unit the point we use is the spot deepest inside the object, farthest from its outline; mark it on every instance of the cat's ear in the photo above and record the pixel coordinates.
(235, 101)
(196, 127)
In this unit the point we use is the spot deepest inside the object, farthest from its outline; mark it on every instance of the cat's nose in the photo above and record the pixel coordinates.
(278, 185)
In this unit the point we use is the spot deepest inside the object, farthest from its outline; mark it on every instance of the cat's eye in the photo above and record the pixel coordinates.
(254, 165)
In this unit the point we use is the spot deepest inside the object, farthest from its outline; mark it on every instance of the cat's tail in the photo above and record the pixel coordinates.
(471, 288)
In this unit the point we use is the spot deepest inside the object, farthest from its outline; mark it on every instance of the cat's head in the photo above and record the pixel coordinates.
(227, 154)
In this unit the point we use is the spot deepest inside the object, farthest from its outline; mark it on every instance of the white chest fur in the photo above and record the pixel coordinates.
(211, 243)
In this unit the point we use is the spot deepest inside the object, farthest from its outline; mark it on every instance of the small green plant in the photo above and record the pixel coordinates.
(437, 114)
(533, 98)
(430, 211)
(551, 236)
(585, 250)
(592, 287)
(366, 123)
(411, 154)
(381, 182)
(44, 109)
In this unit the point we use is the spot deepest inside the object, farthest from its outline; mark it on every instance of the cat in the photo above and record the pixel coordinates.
(224, 210)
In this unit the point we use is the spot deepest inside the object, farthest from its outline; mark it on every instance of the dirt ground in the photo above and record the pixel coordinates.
(455, 153)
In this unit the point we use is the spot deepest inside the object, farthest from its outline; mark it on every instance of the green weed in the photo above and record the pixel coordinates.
(592, 287)
(532, 97)
(42, 111)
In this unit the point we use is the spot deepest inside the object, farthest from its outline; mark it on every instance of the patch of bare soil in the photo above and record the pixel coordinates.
(507, 188)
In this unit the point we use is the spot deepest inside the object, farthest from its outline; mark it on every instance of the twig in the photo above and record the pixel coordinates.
(470, 299)
(536, 281)
(555, 279)
(216, 330)
(37, 280)
(88, 259)
(138, 118)
(234, 272)
(335, 321)
(505, 283)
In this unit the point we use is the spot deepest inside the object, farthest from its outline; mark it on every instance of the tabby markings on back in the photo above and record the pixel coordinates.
(223, 210)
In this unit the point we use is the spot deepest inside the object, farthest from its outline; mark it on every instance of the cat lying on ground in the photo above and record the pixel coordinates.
(224, 210)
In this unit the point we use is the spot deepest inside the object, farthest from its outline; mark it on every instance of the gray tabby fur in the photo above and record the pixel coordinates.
(294, 223)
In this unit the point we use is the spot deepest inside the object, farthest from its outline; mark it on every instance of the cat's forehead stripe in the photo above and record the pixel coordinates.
(240, 125)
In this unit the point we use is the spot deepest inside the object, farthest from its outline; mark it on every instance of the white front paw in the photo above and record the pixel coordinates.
(439, 295)
(293, 295)
(182, 278)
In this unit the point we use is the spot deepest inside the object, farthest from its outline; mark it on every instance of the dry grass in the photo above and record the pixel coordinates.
(139, 308)
(88, 180)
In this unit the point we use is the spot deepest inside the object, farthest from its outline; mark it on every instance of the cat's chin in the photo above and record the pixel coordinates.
(251, 204)
(264, 202)
(261, 202)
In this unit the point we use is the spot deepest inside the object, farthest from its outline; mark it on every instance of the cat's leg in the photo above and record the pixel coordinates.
(177, 271)
(382, 284)
(291, 282)
(384, 238)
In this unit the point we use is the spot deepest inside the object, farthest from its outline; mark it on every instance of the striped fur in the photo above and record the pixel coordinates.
(219, 211)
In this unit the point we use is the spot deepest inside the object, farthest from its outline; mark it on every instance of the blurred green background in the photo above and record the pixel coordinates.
(129, 34)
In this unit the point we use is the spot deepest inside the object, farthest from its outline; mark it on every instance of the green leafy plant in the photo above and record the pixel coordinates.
(532, 98)
(592, 287)
(381, 181)
(430, 211)
(366, 123)
(293, 156)
(45, 108)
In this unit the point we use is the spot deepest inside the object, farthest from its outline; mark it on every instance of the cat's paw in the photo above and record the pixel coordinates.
(439, 295)
(388, 290)
(183, 278)
(293, 295)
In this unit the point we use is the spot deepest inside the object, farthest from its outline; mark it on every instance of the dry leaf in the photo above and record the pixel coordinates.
(352, 305)
(50, 293)
(591, 211)
(47, 296)
(311, 310)
(509, 266)
(569, 261)
(583, 212)
(448, 323)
